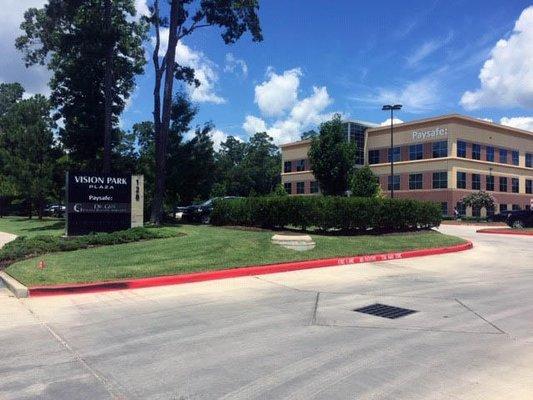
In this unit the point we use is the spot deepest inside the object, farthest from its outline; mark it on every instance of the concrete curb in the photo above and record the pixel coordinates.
(18, 289)
(237, 272)
(504, 231)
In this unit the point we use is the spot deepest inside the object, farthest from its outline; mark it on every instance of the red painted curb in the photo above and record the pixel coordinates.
(236, 272)
(505, 232)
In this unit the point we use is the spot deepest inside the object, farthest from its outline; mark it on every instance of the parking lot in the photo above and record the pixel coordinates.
(288, 336)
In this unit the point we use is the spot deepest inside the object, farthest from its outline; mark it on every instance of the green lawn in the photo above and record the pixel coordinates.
(22, 226)
(204, 248)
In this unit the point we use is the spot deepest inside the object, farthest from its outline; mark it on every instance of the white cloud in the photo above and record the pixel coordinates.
(204, 68)
(279, 93)
(422, 52)
(232, 64)
(418, 96)
(395, 120)
(218, 137)
(525, 123)
(292, 117)
(253, 125)
(142, 8)
(507, 76)
(12, 68)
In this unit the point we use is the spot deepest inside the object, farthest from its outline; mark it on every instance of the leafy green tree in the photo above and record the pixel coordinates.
(10, 94)
(332, 158)
(94, 49)
(243, 169)
(28, 149)
(364, 183)
(279, 190)
(479, 200)
(185, 18)
(308, 134)
(8, 191)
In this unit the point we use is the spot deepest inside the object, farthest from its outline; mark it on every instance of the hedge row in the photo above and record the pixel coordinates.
(23, 247)
(328, 213)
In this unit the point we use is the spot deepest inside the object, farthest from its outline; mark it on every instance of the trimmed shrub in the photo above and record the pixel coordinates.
(328, 213)
(24, 247)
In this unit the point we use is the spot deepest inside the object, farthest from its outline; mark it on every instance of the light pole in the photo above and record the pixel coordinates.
(390, 107)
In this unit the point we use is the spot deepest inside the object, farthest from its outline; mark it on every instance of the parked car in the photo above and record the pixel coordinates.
(200, 212)
(56, 210)
(520, 219)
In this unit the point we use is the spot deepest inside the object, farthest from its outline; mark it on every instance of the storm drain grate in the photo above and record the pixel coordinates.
(385, 311)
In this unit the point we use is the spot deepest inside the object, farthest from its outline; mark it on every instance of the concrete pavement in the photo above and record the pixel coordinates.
(6, 238)
(288, 336)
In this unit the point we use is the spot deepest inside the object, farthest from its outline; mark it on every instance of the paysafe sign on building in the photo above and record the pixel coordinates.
(103, 203)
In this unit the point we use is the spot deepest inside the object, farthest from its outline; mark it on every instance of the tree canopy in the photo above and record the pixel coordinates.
(70, 37)
(332, 158)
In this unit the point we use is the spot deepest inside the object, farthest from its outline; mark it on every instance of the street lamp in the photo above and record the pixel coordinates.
(390, 107)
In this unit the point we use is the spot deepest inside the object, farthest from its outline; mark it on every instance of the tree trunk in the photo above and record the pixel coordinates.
(162, 138)
(108, 82)
(30, 209)
(41, 208)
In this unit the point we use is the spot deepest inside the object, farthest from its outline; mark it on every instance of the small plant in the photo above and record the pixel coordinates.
(479, 200)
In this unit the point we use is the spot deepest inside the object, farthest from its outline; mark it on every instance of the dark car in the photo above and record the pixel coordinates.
(200, 212)
(520, 219)
(55, 210)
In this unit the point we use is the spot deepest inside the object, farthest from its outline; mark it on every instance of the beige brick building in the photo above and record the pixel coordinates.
(440, 159)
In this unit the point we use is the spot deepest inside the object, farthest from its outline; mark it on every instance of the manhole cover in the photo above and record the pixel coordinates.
(385, 311)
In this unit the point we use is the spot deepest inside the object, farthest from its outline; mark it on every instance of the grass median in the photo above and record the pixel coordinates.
(204, 248)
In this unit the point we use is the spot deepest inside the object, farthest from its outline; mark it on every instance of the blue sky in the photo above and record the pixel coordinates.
(320, 57)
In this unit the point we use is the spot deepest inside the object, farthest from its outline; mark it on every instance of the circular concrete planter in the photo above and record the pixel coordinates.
(293, 242)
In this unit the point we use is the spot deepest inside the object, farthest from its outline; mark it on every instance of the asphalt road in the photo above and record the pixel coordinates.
(288, 336)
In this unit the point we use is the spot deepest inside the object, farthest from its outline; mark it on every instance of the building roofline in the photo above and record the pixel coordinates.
(459, 117)
(298, 143)
(364, 123)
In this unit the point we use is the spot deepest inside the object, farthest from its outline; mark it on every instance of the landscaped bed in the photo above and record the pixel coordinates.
(204, 248)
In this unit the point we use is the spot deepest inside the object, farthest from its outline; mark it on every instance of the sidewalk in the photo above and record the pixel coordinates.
(6, 238)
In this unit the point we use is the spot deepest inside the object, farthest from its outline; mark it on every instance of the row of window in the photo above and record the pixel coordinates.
(489, 183)
(416, 152)
(300, 165)
(439, 181)
(300, 187)
(490, 153)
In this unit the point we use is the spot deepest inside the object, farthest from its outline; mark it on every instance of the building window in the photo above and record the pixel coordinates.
(490, 153)
(300, 165)
(529, 186)
(476, 151)
(287, 166)
(288, 187)
(515, 185)
(476, 182)
(461, 180)
(461, 149)
(440, 149)
(416, 152)
(503, 208)
(397, 154)
(396, 182)
(503, 184)
(529, 160)
(314, 187)
(373, 157)
(440, 180)
(461, 208)
(490, 211)
(503, 156)
(515, 157)
(300, 187)
(489, 183)
(415, 181)
(516, 207)
(444, 208)
(476, 212)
